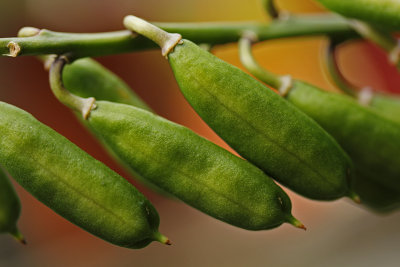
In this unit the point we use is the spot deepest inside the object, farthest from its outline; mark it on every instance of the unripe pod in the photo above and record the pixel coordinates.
(383, 13)
(73, 184)
(372, 141)
(192, 168)
(10, 208)
(387, 105)
(260, 125)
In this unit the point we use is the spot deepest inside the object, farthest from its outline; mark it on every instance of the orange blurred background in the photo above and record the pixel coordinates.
(339, 233)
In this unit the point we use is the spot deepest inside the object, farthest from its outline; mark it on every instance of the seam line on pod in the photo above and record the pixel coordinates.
(63, 181)
(267, 137)
(187, 176)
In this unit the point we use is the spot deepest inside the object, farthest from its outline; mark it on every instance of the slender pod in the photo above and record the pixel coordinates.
(10, 208)
(73, 184)
(371, 140)
(192, 168)
(387, 104)
(351, 118)
(188, 166)
(377, 197)
(383, 13)
(257, 123)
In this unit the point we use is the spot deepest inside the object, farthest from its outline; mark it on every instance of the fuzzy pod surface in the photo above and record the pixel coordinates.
(192, 168)
(387, 105)
(73, 184)
(10, 207)
(383, 13)
(261, 126)
(370, 139)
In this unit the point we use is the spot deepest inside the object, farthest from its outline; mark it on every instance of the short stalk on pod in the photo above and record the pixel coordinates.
(388, 105)
(10, 208)
(188, 166)
(262, 127)
(363, 133)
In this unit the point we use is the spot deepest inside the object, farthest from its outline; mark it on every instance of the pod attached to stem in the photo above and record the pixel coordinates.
(363, 133)
(190, 167)
(256, 122)
(388, 105)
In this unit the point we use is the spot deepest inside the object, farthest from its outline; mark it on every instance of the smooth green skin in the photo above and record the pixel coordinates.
(375, 196)
(388, 106)
(191, 168)
(87, 78)
(10, 206)
(371, 140)
(72, 183)
(260, 125)
(380, 12)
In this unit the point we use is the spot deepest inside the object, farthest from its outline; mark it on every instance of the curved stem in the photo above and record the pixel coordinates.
(270, 8)
(167, 41)
(282, 83)
(333, 71)
(363, 95)
(98, 44)
(382, 39)
(82, 105)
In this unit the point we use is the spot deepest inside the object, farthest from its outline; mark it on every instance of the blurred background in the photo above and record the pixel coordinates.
(339, 233)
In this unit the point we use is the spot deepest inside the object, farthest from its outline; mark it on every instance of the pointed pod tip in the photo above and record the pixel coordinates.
(18, 236)
(354, 196)
(162, 239)
(296, 223)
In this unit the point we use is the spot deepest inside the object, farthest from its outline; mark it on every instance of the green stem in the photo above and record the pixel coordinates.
(167, 41)
(333, 71)
(98, 44)
(379, 37)
(82, 105)
(282, 83)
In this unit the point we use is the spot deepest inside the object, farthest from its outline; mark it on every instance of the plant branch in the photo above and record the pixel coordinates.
(98, 44)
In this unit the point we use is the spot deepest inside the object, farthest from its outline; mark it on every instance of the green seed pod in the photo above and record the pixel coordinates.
(73, 184)
(253, 120)
(372, 141)
(374, 195)
(87, 78)
(10, 208)
(380, 12)
(387, 105)
(192, 168)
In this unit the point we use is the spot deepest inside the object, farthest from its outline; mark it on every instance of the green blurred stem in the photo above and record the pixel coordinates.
(282, 83)
(79, 45)
(270, 8)
(333, 71)
(380, 38)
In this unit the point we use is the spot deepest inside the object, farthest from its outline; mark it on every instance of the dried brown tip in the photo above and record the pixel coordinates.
(168, 242)
(293, 221)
